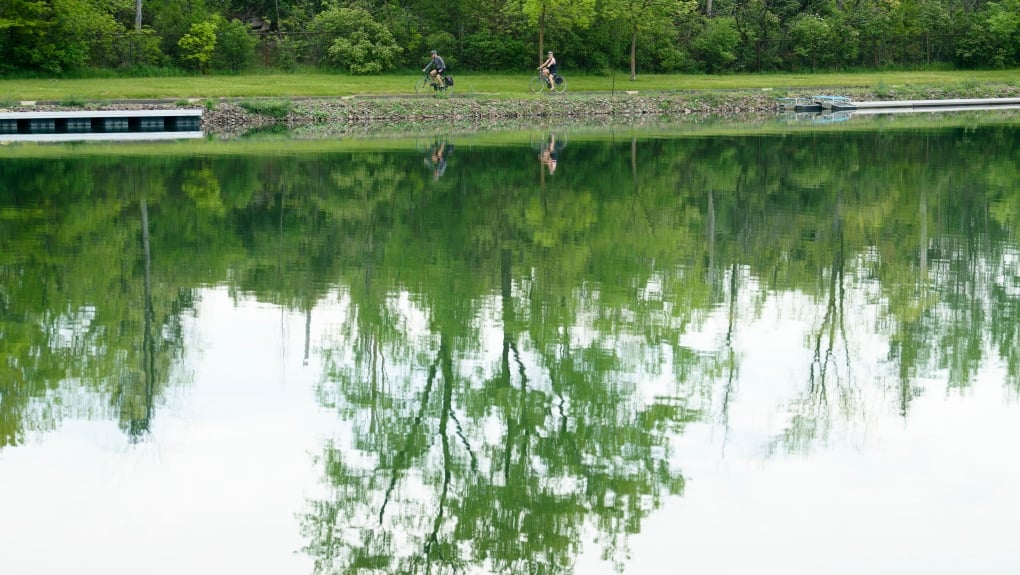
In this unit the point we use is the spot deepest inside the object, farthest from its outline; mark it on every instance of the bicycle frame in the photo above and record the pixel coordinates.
(427, 84)
(553, 83)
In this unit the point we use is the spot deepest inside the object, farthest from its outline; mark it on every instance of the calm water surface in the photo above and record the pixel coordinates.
(784, 352)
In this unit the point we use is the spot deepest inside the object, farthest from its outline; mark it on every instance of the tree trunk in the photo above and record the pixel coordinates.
(138, 15)
(633, 54)
(541, 34)
(279, 23)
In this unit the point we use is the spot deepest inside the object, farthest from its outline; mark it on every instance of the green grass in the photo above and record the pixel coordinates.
(73, 101)
(497, 85)
(273, 108)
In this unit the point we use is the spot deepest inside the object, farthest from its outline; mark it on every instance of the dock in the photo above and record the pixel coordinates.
(934, 104)
(799, 104)
(833, 102)
(836, 103)
(65, 126)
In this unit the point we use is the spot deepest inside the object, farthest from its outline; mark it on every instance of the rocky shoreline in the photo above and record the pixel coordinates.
(400, 114)
(375, 114)
(470, 112)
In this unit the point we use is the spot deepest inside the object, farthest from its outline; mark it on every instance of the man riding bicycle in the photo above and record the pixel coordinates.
(436, 68)
(548, 69)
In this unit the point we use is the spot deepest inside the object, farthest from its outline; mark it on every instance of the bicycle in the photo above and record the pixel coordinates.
(426, 85)
(539, 83)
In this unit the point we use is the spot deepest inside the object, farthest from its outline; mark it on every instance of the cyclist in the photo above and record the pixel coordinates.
(548, 69)
(436, 69)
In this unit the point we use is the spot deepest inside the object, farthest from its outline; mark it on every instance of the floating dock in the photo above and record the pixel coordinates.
(820, 103)
(833, 102)
(814, 103)
(800, 104)
(64, 126)
(958, 103)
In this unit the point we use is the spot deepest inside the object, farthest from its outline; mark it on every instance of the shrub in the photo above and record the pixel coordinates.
(812, 41)
(235, 47)
(199, 44)
(354, 40)
(489, 52)
(73, 101)
(716, 45)
(137, 49)
(273, 108)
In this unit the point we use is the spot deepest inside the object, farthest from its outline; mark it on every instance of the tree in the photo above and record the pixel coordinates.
(235, 47)
(53, 36)
(21, 23)
(815, 43)
(172, 19)
(565, 13)
(199, 44)
(1003, 29)
(717, 44)
(643, 15)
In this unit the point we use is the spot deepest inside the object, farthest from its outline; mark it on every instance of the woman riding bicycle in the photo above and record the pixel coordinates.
(436, 68)
(548, 69)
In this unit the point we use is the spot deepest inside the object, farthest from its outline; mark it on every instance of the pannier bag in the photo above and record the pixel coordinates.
(449, 80)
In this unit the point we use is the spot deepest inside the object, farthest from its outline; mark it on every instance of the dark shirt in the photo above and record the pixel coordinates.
(437, 63)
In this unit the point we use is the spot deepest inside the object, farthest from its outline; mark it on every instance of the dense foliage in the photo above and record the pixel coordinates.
(371, 36)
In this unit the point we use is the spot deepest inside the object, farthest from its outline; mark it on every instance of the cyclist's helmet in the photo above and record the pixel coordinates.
(433, 52)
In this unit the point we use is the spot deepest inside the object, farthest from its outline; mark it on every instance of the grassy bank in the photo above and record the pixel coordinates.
(492, 85)
(330, 106)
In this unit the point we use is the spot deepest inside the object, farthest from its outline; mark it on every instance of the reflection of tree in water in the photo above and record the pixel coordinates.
(92, 317)
(506, 471)
(469, 452)
(830, 386)
(455, 460)
(931, 273)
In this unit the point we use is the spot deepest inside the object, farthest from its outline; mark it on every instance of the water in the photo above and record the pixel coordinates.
(789, 350)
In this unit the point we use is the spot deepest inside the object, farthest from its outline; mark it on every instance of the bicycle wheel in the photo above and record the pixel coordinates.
(422, 86)
(560, 84)
(537, 84)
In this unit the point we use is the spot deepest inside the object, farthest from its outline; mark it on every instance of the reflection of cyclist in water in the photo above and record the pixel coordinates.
(436, 158)
(550, 154)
